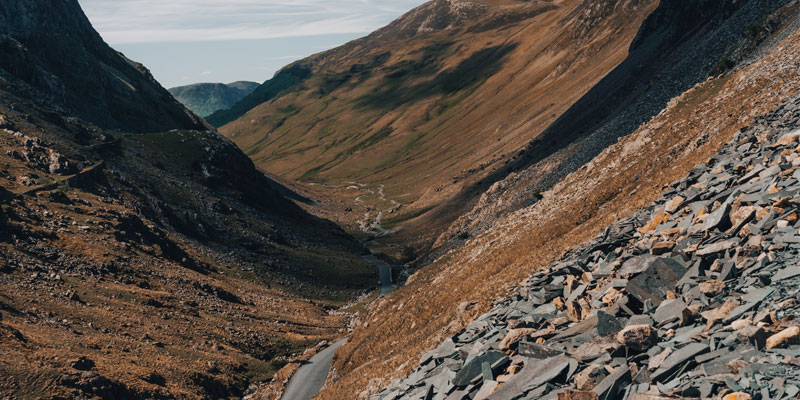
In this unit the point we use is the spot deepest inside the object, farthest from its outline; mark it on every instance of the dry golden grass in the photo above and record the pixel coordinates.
(624, 178)
(202, 314)
(438, 139)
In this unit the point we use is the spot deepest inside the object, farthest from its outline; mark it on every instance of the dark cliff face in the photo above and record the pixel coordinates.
(678, 19)
(51, 47)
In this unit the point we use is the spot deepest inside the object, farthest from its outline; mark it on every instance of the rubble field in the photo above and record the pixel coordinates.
(693, 297)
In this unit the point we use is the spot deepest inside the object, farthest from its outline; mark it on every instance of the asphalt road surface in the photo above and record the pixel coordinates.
(310, 378)
(384, 274)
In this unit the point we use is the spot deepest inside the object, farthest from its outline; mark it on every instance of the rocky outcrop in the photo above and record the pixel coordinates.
(712, 317)
(52, 48)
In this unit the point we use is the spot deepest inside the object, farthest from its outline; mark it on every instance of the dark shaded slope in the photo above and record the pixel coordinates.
(206, 98)
(51, 46)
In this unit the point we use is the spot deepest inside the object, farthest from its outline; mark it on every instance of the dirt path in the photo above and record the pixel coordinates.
(372, 225)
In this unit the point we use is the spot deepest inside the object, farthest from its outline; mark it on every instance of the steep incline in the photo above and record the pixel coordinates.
(693, 297)
(52, 47)
(206, 98)
(441, 299)
(678, 46)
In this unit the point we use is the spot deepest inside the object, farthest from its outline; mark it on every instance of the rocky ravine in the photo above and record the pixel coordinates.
(693, 297)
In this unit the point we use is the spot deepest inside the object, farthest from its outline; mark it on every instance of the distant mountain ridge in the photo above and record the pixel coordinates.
(206, 98)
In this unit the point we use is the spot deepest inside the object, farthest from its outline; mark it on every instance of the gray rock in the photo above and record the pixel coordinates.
(473, 369)
(669, 310)
(678, 358)
(607, 324)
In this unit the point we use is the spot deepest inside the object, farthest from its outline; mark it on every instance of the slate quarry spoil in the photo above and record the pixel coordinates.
(696, 296)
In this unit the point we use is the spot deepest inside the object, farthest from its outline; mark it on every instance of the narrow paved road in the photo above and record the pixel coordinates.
(310, 378)
(384, 274)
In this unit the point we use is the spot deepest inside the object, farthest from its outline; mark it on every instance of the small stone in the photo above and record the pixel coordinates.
(662, 248)
(637, 337)
(573, 395)
(536, 351)
(607, 324)
(657, 220)
(514, 336)
(612, 385)
(718, 217)
(72, 295)
(788, 139)
(590, 377)
(755, 335)
(673, 204)
(712, 288)
(783, 337)
(736, 365)
(658, 359)
(720, 313)
(669, 310)
(741, 324)
(737, 396)
(742, 214)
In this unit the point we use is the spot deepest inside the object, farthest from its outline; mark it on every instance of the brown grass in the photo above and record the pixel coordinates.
(625, 177)
(437, 139)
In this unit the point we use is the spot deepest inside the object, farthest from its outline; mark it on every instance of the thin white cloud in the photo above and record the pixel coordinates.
(158, 21)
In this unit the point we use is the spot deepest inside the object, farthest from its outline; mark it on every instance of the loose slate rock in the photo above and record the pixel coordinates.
(739, 270)
(607, 324)
(637, 337)
(473, 370)
(656, 280)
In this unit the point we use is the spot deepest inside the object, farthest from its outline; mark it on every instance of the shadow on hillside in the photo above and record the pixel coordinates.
(396, 89)
(673, 51)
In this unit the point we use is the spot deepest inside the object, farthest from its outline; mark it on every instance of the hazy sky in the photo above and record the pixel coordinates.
(190, 41)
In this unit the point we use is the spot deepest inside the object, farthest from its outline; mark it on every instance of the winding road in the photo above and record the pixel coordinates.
(384, 274)
(311, 377)
(373, 226)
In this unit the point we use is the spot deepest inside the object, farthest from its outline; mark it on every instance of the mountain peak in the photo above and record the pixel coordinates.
(51, 47)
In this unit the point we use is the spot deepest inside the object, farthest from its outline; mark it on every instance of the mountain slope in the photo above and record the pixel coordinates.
(625, 314)
(433, 102)
(678, 46)
(142, 259)
(442, 298)
(206, 98)
(54, 49)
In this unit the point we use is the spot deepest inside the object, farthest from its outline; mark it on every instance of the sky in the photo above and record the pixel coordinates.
(190, 41)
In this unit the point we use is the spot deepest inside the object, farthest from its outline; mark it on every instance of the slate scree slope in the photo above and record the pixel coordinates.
(693, 297)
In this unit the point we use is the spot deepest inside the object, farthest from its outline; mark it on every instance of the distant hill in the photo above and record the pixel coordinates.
(206, 98)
